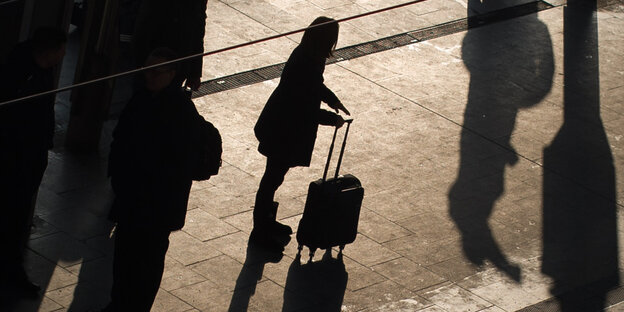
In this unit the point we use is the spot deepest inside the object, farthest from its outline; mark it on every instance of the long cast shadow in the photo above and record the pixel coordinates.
(70, 231)
(316, 286)
(511, 68)
(580, 212)
(251, 273)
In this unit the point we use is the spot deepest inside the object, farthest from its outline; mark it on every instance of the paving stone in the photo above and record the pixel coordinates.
(219, 203)
(230, 178)
(360, 276)
(378, 228)
(409, 274)
(82, 297)
(268, 296)
(385, 295)
(63, 249)
(204, 296)
(48, 201)
(454, 298)
(242, 221)
(177, 275)
(79, 223)
(278, 272)
(166, 302)
(47, 274)
(506, 296)
(431, 227)
(233, 245)
(204, 226)
(393, 203)
(493, 309)
(374, 67)
(226, 272)
(244, 155)
(368, 252)
(454, 269)
(423, 252)
(269, 15)
(188, 250)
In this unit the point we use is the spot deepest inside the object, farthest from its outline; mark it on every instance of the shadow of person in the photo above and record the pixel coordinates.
(318, 285)
(257, 257)
(579, 197)
(69, 243)
(511, 67)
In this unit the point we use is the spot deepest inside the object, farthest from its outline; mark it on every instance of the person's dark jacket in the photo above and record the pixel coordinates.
(287, 126)
(178, 25)
(150, 159)
(30, 122)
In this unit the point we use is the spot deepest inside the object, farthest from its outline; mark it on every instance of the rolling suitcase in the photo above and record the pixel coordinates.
(332, 208)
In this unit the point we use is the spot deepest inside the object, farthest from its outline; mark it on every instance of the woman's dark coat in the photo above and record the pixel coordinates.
(289, 121)
(150, 159)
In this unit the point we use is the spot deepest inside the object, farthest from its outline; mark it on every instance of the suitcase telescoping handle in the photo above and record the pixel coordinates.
(342, 149)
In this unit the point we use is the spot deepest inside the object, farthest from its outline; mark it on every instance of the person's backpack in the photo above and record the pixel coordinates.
(209, 149)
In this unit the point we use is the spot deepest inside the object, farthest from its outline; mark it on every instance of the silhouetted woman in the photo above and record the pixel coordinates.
(287, 126)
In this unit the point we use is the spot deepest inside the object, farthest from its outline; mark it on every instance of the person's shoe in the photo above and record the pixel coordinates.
(263, 237)
(277, 227)
(281, 229)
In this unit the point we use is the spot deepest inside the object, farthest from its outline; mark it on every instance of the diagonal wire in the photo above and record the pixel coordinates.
(182, 59)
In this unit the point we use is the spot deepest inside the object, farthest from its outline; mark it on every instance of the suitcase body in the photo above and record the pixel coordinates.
(332, 210)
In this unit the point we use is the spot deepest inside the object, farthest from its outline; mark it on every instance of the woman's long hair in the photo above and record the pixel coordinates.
(321, 40)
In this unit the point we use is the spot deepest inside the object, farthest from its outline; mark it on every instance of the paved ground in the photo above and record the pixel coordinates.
(489, 187)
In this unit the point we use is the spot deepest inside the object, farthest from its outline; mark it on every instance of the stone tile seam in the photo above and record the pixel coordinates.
(491, 140)
(395, 41)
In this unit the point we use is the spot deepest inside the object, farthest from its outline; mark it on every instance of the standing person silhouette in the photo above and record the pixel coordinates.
(150, 169)
(286, 129)
(26, 135)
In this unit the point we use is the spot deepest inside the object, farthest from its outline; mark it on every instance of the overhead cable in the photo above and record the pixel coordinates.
(185, 58)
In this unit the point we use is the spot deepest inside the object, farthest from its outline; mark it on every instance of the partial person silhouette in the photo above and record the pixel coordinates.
(179, 25)
(287, 127)
(580, 249)
(501, 57)
(26, 135)
(150, 166)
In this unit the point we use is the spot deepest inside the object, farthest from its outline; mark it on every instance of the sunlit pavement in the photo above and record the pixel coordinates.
(481, 192)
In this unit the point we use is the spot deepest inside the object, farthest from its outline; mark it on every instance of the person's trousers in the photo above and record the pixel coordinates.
(273, 177)
(138, 266)
(21, 172)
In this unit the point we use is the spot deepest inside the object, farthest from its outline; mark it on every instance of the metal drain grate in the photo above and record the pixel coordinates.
(355, 51)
